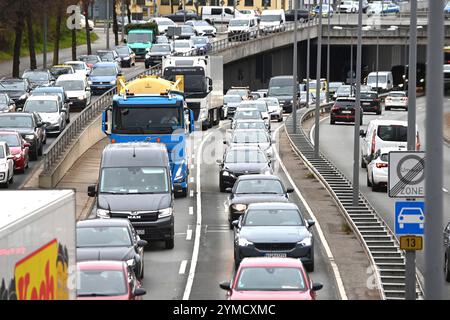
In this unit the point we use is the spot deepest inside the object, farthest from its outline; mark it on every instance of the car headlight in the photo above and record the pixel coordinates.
(22, 97)
(112, 82)
(164, 213)
(82, 97)
(29, 136)
(242, 242)
(102, 213)
(305, 242)
(126, 58)
(225, 173)
(89, 82)
(131, 262)
(239, 207)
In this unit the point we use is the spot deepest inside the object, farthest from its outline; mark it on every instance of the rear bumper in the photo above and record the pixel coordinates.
(343, 118)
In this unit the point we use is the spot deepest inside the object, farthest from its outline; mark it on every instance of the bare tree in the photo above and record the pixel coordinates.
(59, 15)
(129, 10)
(31, 46)
(74, 44)
(18, 38)
(115, 25)
(88, 30)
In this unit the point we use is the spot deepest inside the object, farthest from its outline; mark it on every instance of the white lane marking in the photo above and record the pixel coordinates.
(183, 265)
(323, 240)
(445, 190)
(189, 234)
(191, 193)
(191, 210)
(311, 133)
(191, 179)
(198, 227)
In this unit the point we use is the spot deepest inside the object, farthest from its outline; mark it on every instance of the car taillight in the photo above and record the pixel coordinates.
(381, 165)
(404, 98)
(334, 108)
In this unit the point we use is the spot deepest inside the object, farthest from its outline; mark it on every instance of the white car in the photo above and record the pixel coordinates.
(242, 28)
(377, 169)
(230, 104)
(259, 105)
(50, 109)
(202, 28)
(6, 165)
(252, 137)
(416, 217)
(274, 108)
(396, 99)
(80, 67)
(349, 6)
(163, 24)
(181, 47)
(77, 89)
(250, 13)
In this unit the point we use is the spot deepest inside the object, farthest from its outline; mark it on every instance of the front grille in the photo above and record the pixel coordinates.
(156, 233)
(98, 83)
(145, 216)
(275, 247)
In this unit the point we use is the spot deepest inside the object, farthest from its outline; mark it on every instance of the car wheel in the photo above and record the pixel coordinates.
(170, 243)
(147, 66)
(379, 112)
(182, 194)
(447, 268)
(11, 180)
(41, 148)
(387, 108)
(280, 118)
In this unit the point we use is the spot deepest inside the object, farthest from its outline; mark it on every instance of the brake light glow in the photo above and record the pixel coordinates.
(113, 141)
(381, 165)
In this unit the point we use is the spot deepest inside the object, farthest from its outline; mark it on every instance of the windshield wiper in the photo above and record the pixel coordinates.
(95, 295)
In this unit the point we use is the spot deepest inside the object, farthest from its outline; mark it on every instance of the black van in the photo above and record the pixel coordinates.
(135, 183)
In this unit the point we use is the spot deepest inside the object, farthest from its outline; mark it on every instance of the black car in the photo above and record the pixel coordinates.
(31, 128)
(241, 160)
(126, 55)
(110, 239)
(302, 15)
(6, 103)
(274, 230)
(17, 89)
(41, 77)
(343, 110)
(255, 188)
(370, 102)
(156, 53)
(182, 15)
(447, 252)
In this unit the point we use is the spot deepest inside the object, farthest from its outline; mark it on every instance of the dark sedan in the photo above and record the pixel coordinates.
(302, 15)
(41, 77)
(241, 160)
(126, 55)
(110, 239)
(17, 89)
(182, 16)
(274, 230)
(370, 102)
(6, 103)
(156, 54)
(31, 128)
(252, 189)
(344, 110)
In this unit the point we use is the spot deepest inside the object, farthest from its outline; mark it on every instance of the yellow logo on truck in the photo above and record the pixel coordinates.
(42, 275)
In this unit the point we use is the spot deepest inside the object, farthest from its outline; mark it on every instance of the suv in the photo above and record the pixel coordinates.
(242, 28)
(135, 183)
(344, 110)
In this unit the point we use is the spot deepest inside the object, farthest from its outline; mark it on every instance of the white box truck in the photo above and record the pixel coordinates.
(37, 245)
(203, 85)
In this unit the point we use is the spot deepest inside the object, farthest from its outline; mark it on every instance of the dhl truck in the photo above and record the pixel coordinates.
(37, 245)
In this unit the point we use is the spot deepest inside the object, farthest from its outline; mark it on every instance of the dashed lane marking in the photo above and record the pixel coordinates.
(183, 265)
(191, 210)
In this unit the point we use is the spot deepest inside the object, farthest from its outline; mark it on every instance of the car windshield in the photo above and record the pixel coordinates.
(36, 76)
(271, 18)
(102, 283)
(187, 29)
(250, 125)
(89, 59)
(201, 23)
(44, 106)
(232, 99)
(9, 121)
(258, 136)
(281, 91)
(397, 94)
(104, 71)
(71, 85)
(12, 86)
(200, 40)
(392, 133)
(106, 56)
(368, 95)
(182, 44)
(103, 237)
(122, 50)
(10, 139)
(160, 48)
(239, 23)
(272, 102)
(77, 66)
(259, 186)
(271, 279)
(272, 217)
(129, 180)
(245, 156)
(343, 90)
(259, 106)
(165, 23)
(373, 79)
(162, 39)
(239, 92)
(250, 114)
(57, 71)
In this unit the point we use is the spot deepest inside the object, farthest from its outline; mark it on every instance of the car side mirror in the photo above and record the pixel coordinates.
(142, 243)
(226, 285)
(362, 133)
(228, 190)
(310, 222)
(92, 191)
(235, 223)
(290, 190)
(316, 286)
(224, 141)
(139, 292)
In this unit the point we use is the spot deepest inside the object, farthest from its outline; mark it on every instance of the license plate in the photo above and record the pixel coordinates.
(346, 112)
(276, 255)
(140, 231)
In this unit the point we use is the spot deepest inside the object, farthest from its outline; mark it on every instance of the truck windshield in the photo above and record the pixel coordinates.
(140, 37)
(194, 78)
(147, 120)
(134, 180)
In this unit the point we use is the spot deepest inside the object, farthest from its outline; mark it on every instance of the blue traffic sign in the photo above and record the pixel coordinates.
(409, 218)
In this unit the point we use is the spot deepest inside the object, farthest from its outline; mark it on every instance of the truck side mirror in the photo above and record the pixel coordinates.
(106, 122)
(362, 133)
(92, 192)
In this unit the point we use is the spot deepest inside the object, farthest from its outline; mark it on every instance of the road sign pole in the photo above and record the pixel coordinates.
(308, 55)
(295, 86)
(434, 257)
(318, 71)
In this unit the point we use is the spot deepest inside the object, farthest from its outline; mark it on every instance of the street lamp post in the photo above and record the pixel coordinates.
(328, 54)
(318, 71)
(308, 56)
(107, 24)
(122, 14)
(351, 62)
(294, 78)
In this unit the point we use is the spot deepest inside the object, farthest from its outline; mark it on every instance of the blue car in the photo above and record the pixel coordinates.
(202, 44)
(103, 76)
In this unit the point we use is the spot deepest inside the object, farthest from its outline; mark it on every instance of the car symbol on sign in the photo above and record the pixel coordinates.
(411, 215)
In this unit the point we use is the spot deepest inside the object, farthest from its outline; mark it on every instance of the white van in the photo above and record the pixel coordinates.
(384, 134)
(242, 28)
(272, 20)
(217, 14)
(385, 81)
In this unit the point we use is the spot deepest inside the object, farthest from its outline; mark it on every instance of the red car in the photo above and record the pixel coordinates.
(19, 149)
(107, 280)
(271, 279)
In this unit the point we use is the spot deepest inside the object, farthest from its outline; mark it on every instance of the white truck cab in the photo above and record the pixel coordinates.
(272, 20)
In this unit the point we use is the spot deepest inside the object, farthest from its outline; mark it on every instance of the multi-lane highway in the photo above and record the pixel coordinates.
(336, 143)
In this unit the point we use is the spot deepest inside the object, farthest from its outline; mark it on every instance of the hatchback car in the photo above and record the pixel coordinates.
(377, 169)
(103, 76)
(38, 77)
(252, 189)
(370, 102)
(241, 160)
(6, 165)
(60, 69)
(55, 91)
(246, 114)
(202, 28)
(230, 104)
(156, 54)
(17, 89)
(396, 99)
(243, 124)
(183, 47)
(202, 44)
(50, 109)
(274, 108)
(109, 56)
(90, 59)
(257, 138)
(271, 279)
(260, 105)
(18, 147)
(6, 103)
(80, 67)
(344, 110)
(110, 239)
(107, 280)
(126, 55)
(76, 88)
